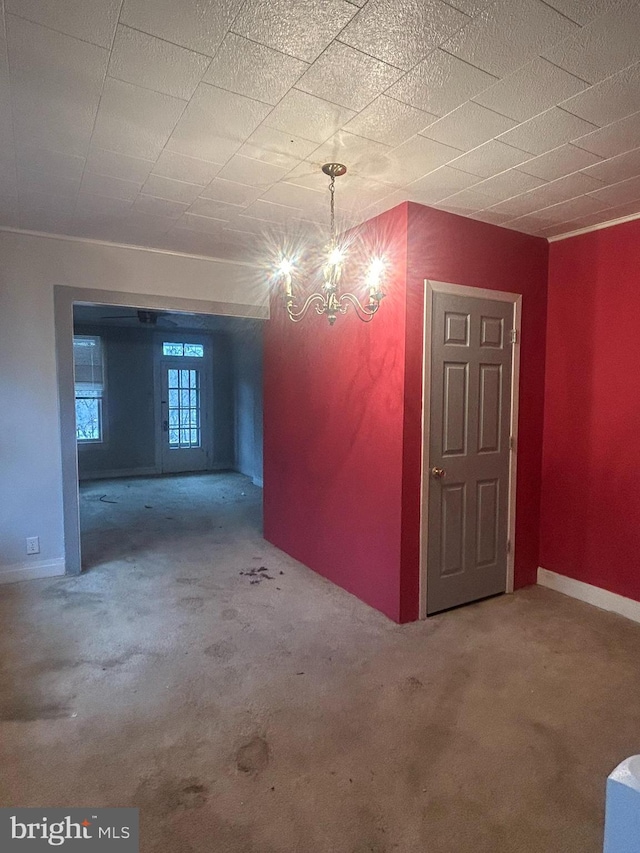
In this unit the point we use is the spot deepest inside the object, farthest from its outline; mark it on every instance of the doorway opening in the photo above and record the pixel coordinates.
(161, 422)
(168, 424)
(469, 461)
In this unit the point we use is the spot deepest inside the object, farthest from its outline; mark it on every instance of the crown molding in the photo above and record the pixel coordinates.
(92, 241)
(597, 227)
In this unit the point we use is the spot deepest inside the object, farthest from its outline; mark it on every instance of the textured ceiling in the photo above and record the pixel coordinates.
(194, 125)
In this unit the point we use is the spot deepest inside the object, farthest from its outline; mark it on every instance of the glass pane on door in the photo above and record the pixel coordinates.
(184, 408)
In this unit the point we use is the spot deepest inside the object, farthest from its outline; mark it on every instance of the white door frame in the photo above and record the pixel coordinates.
(431, 288)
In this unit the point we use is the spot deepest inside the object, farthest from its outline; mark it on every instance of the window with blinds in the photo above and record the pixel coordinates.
(88, 362)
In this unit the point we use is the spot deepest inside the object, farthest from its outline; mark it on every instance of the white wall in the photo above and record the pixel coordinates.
(30, 456)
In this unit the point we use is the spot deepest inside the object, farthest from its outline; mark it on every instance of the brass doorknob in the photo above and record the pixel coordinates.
(438, 473)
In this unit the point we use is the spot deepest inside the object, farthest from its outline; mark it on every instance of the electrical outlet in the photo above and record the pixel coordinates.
(33, 544)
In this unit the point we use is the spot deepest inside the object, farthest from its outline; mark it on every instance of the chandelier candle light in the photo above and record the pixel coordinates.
(330, 301)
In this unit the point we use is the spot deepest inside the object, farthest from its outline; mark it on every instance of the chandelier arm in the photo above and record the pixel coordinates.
(364, 312)
(297, 315)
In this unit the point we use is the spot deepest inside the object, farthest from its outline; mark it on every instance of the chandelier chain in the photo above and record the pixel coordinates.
(332, 190)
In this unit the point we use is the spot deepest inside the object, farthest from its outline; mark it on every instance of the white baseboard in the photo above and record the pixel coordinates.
(258, 481)
(32, 571)
(591, 594)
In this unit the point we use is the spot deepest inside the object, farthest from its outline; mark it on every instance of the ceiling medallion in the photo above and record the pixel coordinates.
(330, 300)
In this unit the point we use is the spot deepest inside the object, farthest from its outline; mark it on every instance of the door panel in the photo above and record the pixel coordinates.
(470, 411)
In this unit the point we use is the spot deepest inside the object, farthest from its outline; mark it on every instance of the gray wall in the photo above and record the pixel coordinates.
(236, 346)
(247, 363)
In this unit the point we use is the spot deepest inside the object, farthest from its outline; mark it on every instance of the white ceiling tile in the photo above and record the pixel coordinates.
(389, 121)
(215, 124)
(606, 45)
(9, 208)
(530, 90)
(148, 223)
(117, 165)
(181, 239)
(272, 212)
(159, 206)
(294, 195)
(155, 64)
(352, 191)
(307, 116)
(490, 158)
(402, 32)
(575, 207)
(167, 188)
(468, 126)
(508, 33)
(58, 163)
(254, 173)
(616, 212)
(493, 217)
(440, 83)
(463, 203)
(470, 7)
(615, 138)
(620, 193)
(52, 222)
(9, 176)
(347, 77)
(618, 168)
(561, 189)
(546, 131)
(507, 184)
(56, 82)
(89, 223)
(559, 162)
(32, 180)
(302, 29)
(108, 186)
(361, 156)
(254, 70)
(583, 11)
(202, 223)
(519, 205)
(198, 25)
(417, 157)
(612, 99)
(51, 203)
(440, 184)
(277, 147)
(135, 121)
(90, 204)
(530, 222)
(179, 167)
(215, 209)
(231, 192)
(90, 20)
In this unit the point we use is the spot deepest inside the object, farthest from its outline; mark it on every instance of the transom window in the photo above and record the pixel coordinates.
(184, 350)
(88, 362)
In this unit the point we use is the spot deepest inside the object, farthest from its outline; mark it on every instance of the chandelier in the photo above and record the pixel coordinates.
(330, 300)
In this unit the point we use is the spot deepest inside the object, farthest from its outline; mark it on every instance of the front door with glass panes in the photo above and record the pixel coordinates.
(184, 408)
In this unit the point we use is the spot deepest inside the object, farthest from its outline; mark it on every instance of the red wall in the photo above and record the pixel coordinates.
(333, 415)
(590, 527)
(450, 248)
(343, 410)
